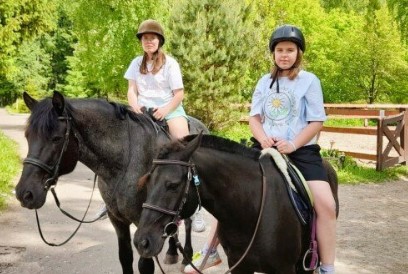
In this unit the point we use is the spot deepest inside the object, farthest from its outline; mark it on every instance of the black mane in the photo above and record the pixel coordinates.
(211, 141)
(44, 118)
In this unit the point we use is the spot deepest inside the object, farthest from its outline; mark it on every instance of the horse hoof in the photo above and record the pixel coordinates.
(171, 259)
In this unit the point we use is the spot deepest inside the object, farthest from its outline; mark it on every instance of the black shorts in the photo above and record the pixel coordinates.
(310, 163)
(307, 159)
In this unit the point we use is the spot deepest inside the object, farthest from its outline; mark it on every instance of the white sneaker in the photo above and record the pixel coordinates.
(198, 223)
(213, 259)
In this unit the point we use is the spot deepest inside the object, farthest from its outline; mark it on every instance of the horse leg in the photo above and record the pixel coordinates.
(172, 255)
(188, 248)
(124, 243)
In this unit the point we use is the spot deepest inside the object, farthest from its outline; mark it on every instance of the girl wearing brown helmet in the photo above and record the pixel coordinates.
(155, 81)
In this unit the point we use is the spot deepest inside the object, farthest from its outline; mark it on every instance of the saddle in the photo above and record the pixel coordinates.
(298, 190)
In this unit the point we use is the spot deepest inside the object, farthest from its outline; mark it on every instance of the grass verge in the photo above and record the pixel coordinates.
(9, 166)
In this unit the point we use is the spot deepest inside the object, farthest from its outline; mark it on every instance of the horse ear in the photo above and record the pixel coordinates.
(29, 101)
(58, 102)
(192, 146)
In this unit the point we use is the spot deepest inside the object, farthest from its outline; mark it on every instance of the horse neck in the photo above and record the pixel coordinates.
(108, 145)
(228, 182)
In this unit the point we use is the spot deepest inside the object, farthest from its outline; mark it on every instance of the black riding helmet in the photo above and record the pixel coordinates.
(287, 33)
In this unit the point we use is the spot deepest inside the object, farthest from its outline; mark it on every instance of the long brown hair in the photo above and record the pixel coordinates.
(159, 58)
(294, 71)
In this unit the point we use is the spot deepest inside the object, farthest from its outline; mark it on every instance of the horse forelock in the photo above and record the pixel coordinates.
(44, 119)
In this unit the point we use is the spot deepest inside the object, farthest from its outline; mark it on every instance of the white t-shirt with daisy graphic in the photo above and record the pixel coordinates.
(285, 114)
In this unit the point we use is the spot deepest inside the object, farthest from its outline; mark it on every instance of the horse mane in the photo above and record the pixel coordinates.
(44, 119)
(213, 142)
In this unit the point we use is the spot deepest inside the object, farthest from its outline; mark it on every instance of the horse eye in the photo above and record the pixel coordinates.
(56, 139)
(171, 185)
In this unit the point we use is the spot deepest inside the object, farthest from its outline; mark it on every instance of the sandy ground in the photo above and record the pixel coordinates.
(372, 226)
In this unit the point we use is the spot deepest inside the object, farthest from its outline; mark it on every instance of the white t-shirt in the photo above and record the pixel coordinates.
(155, 90)
(287, 113)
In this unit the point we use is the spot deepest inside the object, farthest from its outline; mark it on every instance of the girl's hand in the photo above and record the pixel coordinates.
(137, 109)
(285, 146)
(267, 142)
(160, 113)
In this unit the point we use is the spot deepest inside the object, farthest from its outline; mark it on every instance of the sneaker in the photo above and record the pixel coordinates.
(321, 271)
(213, 259)
(102, 213)
(198, 224)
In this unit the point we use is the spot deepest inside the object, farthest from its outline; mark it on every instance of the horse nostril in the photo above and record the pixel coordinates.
(144, 243)
(28, 196)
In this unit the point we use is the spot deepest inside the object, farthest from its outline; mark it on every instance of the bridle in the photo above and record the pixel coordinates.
(51, 182)
(52, 170)
(171, 229)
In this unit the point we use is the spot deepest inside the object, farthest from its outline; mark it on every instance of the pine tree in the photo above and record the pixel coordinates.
(212, 42)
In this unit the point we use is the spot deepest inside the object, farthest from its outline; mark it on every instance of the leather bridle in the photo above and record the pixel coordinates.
(52, 170)
(170, 229)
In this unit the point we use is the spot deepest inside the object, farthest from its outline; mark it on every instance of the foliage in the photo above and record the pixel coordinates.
(9, 166)
(106, 44)
(211, 40)
(21, 23)
(399, 8)
(358, 49)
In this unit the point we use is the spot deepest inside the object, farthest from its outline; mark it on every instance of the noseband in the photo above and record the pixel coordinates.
(171, 228)
(52, 170)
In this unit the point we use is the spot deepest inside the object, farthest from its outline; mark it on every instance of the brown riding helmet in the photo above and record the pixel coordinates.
(151, 26)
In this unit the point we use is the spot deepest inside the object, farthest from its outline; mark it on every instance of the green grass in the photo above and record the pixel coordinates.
(9, 166)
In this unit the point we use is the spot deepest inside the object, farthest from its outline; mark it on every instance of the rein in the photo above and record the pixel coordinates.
(51, 182)
(170, 230)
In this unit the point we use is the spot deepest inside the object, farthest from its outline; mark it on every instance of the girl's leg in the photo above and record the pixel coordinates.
(178, 127)
(325, 207)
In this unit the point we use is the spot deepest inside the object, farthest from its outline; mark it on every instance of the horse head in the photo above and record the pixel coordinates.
(52, 149)
(171, 196)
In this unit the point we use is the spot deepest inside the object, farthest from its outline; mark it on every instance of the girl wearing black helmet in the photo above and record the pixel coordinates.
(287, 113)
(155, 80)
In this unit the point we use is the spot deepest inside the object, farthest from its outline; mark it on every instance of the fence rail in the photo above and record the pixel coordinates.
(391, 124)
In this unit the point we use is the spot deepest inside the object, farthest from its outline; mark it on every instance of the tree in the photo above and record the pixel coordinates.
(376, 56)
(21, 23)
(106, 44)
(399, 8)
(212, 42)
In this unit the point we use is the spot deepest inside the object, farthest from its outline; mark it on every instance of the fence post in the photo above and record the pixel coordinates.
(380, 125)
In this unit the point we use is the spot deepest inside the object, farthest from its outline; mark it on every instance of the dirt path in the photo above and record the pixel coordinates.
(372, 227)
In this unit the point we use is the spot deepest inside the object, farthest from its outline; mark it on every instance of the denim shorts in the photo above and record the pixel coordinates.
(179, 111)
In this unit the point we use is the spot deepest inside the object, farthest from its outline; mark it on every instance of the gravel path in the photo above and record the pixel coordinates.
(372, 226)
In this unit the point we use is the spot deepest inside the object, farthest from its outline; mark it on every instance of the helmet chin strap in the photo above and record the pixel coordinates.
(275, 78)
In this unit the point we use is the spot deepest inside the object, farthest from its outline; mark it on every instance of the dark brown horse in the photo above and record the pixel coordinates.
(226, 177)
(115, 143)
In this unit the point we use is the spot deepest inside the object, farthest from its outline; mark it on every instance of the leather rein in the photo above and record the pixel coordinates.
(171, 229)
(51, 182)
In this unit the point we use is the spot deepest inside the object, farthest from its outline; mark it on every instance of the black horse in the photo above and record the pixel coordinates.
(114, 142)
(226, 177)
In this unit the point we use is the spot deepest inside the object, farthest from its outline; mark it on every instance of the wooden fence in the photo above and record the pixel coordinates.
(391, 125)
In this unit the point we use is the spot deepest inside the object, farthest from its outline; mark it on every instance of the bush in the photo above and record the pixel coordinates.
(9, 166)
